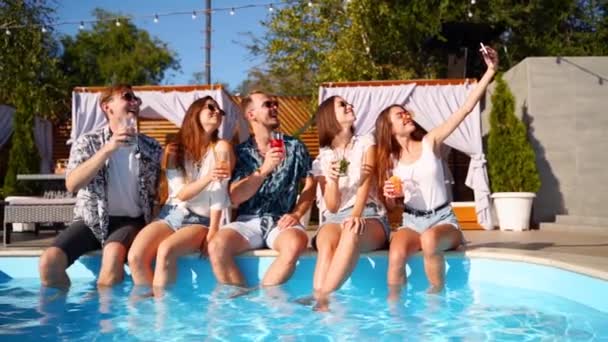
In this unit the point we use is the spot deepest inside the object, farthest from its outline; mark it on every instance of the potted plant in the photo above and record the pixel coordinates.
(514, 177)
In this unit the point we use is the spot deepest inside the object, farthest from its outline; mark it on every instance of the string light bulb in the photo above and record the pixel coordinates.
(310, 4)
(473, 2)
(470, 14)
(156, 17)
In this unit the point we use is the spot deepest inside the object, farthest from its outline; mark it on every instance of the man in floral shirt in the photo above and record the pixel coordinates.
(114, 171)
(265, 185)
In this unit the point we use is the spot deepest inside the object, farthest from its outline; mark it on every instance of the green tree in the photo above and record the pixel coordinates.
(511, 159)
(30, 80)
(336, 40)
(109, 54)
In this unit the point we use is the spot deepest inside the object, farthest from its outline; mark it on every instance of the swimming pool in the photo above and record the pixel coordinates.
(485, 299)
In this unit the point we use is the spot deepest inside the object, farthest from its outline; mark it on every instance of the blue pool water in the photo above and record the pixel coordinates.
(484, 300)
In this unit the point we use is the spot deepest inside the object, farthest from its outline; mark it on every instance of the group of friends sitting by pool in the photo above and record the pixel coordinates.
(119, 174)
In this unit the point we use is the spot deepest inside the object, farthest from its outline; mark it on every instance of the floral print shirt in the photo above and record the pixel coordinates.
(92, 200)
(278, 193)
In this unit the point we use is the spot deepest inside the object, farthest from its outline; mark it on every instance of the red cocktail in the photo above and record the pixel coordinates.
(276, 140)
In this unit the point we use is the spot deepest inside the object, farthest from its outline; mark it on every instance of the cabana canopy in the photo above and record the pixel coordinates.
(432, 102)
(168, 102)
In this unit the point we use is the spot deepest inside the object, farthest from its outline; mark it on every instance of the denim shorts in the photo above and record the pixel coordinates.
(171, 214)
(421, 223)
(259, 232)
(369, 212)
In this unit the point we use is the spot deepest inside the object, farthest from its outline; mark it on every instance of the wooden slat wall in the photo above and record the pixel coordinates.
(158, 129)
(311, 140)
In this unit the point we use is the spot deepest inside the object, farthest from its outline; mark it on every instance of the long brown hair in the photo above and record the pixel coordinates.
(327, 124)
(387, 147)
(191, 143)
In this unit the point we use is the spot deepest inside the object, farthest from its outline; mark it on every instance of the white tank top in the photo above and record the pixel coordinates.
(424, 179)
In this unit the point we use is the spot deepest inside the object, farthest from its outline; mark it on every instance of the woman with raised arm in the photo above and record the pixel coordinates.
(429, 223)
(194, 186)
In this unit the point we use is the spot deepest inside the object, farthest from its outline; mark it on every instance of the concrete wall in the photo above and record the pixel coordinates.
(566, 107)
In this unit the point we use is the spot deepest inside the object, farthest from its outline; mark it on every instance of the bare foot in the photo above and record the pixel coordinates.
(306, 301)
(134, 298)
(394, 293)
(242, 291)
(434, 289)
(322, 304)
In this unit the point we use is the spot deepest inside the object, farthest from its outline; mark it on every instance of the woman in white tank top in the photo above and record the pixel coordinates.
(352, 218)
(411, 170)
(194, 192)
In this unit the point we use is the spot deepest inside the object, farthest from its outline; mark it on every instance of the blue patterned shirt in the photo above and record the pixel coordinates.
(278, 193)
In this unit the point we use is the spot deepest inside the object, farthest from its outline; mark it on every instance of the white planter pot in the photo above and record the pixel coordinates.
(513, 209)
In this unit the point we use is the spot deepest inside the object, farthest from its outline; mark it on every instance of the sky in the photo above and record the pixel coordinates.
(230, 60)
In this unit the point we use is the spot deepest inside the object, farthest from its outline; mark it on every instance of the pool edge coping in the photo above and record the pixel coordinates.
(582, 264)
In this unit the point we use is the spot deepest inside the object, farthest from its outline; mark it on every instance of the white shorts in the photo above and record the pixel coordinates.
(258, 231)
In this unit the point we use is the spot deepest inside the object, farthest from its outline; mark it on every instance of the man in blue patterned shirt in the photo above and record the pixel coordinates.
(114, 171)
(265, 186)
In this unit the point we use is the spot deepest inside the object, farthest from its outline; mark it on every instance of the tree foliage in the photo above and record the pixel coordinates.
(109, 54)
(337, 40)
(30, 80)
(511, 159)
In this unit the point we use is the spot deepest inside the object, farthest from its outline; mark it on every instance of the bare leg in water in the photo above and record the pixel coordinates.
(434, 242)
(404, 243)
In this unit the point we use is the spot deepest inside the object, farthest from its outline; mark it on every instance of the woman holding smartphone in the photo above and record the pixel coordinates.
(194, 192)
(429, 223)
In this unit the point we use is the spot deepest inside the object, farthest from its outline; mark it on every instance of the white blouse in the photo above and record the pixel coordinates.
(213, 197)
(349, 184)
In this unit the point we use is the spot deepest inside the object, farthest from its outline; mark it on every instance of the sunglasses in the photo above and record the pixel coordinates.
(270, 104)
(213, 108)
(130, 97)
(345, 104)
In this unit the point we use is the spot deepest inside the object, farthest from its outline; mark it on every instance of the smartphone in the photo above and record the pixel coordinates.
(483, 48)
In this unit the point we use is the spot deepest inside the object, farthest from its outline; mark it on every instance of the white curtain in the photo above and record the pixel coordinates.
(368, 101)
(6, 123)
(43, 137)
(432, 105)
(172, 105)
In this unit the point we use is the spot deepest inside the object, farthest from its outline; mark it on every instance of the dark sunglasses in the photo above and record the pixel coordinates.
(213, 108)
(270, 104)
(130, 97)
(345, 104)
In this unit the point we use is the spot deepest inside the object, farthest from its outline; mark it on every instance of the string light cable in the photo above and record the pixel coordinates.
(231, 10)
